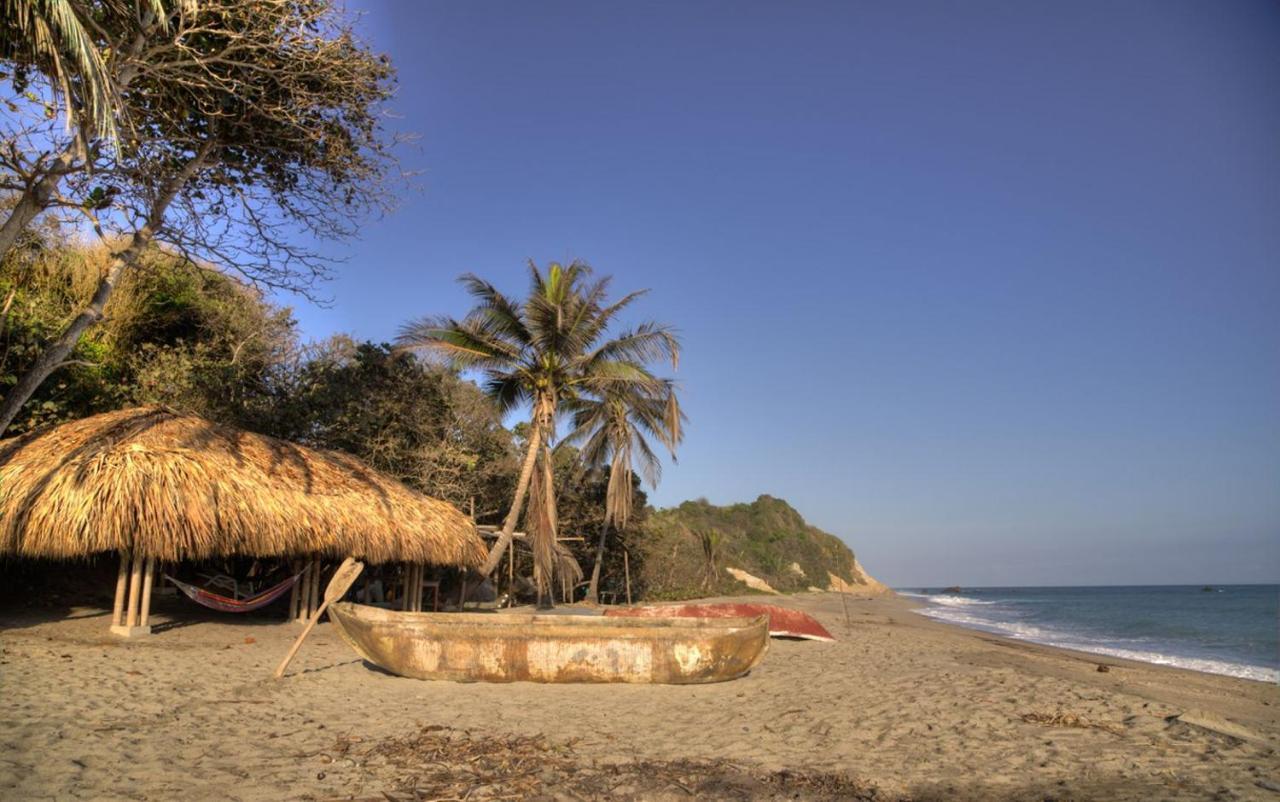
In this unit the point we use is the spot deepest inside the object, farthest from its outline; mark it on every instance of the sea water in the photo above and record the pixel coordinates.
(1225, 629)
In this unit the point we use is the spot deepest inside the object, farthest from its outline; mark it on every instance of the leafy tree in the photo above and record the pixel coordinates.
(254, 121)
(173, 333)
(81, 55)
(552, 346)
(423, 425)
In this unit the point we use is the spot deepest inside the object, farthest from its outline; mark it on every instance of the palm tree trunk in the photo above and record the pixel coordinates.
(543, 530)
(593, 590)
(522, 489)
(57, 351)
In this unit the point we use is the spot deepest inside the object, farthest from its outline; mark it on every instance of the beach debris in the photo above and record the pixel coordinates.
(1066, 719)
(1103, 668)
(442, 763)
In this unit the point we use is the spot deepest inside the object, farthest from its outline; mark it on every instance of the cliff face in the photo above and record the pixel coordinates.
(698, 549)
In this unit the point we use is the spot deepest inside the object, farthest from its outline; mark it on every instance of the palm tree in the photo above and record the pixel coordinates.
(65, 41)
(551, 347)
(610, 427)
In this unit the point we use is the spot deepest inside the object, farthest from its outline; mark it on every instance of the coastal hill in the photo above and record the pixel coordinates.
(700, 549)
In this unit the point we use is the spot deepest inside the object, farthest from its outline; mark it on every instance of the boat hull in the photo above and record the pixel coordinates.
(783, 622)
(498, 647)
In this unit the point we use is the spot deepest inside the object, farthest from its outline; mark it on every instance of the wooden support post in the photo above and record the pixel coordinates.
(418, 571)
(122, 584)
(411, 588)
(626, 568)
(303, 587)
(313, 600)
(304, 595)
(404, 590)
(132, 625)
(135, 590)
(294, 592)
(148, 580)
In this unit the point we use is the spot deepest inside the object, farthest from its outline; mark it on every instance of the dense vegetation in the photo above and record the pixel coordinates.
(199, 341)
(686, 550)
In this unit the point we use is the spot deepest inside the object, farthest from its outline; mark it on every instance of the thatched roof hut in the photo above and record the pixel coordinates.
(172, 486)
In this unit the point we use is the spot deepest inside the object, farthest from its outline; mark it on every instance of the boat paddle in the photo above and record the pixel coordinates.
(342, 580)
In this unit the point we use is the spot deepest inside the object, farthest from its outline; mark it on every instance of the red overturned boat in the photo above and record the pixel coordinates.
(783, 622)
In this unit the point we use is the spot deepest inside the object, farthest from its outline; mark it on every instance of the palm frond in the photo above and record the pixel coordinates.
(57, 40)
(647, 342)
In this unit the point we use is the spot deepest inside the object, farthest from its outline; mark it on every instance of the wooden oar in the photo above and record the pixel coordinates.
(342, 580)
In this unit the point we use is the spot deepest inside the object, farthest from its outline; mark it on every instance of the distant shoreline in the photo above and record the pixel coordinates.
(971, 609)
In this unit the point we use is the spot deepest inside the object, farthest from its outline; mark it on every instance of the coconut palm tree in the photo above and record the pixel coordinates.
(65, 40)
(551, 347)
(610, 427)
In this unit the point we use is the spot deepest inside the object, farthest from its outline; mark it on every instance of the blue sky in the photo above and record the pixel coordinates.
(991, 290)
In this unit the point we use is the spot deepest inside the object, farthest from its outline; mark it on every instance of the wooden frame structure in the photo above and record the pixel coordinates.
(131, 614)
(411, 600)
(493, 532)
(305, 598)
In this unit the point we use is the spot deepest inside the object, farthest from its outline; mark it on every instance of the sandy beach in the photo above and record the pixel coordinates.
(900, 707)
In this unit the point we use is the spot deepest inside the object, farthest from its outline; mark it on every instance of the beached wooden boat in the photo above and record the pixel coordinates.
(783, 622)
(507, 647)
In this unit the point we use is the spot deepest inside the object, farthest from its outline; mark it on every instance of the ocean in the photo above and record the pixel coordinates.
(1228, 629)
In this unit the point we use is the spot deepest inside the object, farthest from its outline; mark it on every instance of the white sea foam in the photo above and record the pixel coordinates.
(957, 601)
(946, 611)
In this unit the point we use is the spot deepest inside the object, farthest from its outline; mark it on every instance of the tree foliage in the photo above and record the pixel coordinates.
(173, 334)
(255, 126)
(557, 344)
(420, 424)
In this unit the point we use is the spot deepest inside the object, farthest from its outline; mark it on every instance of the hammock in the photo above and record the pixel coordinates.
(225, 604)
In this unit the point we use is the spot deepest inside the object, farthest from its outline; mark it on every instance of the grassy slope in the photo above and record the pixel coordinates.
(764, 538)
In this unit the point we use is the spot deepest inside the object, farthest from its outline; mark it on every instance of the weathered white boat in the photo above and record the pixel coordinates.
(507, 647)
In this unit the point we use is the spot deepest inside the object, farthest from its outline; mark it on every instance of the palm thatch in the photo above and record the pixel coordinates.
(176, 486)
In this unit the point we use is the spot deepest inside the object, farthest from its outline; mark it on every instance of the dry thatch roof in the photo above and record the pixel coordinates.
(178, 487)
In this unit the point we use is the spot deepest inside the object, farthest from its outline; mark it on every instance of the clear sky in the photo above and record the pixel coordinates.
(991, 290)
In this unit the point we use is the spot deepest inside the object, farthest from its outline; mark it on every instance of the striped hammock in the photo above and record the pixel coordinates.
(226, 604)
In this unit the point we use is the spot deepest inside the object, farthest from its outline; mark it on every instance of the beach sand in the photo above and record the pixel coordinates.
(900, 707)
